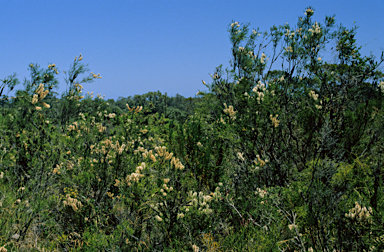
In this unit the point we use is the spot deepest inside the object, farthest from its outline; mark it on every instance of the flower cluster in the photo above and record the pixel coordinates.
(308, 12)
(261, 192)
(135, 176)
(239, 80)
(359, 213)
(229, 111)
(240, 156)
(195, 248)
(252, 57)
(162, 152)
(381, 86)
(134, 109)
(100, 127)
(293, 33)
(313, 95)
(259, 162)
(180, 215)
(259, 90)
(200, 200)
(78, 87)
(176, 162)
(39, 96)
(80, 58)
(96, 76)
(90, 94)
(110, 195)
(235, 24)
(255, 32)
(73, 127)
(110, 115)
(274, 120)
(108, 147)
(56, 170)
(263, 56)
(149, 154)
(101, 97)
(316, 29)
(289, 49)
(215, 76)
(165, 188)
(158, 218)
(53, 67)
(82, 116)
(119, 148)
(72, 202)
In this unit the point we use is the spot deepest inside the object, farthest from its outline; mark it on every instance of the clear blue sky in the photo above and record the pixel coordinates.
(141, 46)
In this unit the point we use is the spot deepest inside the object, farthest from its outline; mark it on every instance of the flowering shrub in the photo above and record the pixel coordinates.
(285, 160)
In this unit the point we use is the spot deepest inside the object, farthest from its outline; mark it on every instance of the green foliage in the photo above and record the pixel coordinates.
(265, 160)
(11, 81)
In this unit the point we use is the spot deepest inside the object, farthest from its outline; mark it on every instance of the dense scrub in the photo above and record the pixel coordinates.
(264, 160)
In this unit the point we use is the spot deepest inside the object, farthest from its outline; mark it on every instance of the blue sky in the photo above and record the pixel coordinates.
(141, 46)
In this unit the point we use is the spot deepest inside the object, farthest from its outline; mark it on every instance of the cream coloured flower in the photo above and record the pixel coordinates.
(240, 156)
(45, 105)
(230, 111)
(35, 99)
(308, 12)
(263, 56)
(381, 86)
(195, 248)
(15, 236)
(274, 120)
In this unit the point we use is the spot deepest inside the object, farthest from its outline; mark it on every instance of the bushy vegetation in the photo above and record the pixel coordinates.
(263, 160)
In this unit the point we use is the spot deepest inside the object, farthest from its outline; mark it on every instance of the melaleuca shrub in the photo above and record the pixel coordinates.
(70, 104)
(30, 153)
(146, 187)
(310, 110)
(303, 96)
(31, 99)
(201, 149)
(31, 134)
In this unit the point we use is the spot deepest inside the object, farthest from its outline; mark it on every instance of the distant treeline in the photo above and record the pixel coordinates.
(177, 107)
